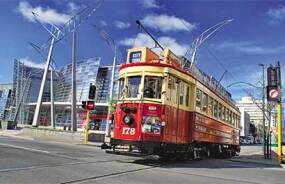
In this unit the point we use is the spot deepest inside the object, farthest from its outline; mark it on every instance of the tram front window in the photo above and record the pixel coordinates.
(152, 87)
(121, 87)
(133, 86)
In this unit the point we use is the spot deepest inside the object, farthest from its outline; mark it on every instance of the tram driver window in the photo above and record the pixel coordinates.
(121, 87)
(152, 87)
(133, 86)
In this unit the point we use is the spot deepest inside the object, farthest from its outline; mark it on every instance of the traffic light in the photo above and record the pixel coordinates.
(274, 83)
(84, 105)
(92, 92)
(274, 76)
(90, 105)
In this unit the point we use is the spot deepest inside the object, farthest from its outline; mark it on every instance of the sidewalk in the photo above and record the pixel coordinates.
(23, 134)
(254, 154)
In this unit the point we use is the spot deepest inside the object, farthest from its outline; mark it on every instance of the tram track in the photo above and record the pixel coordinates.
(57, 165)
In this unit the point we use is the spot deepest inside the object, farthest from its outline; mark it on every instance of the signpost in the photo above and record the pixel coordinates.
(274, 95)
(89, 105)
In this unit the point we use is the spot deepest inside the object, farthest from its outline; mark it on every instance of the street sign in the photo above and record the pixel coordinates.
(273, 93)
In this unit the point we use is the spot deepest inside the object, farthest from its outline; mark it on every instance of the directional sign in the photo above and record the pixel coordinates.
(273, 93)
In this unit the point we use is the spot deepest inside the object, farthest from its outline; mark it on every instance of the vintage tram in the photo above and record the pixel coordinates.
(163, 109)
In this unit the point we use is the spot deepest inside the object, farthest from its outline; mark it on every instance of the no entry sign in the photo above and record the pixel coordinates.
(273, 93)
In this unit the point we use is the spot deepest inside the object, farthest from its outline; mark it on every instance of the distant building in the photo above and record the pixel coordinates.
(245, 123)
(253, 108)
(5, 99)
(27, 82)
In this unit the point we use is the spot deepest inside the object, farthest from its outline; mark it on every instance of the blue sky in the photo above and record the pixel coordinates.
(255, 36)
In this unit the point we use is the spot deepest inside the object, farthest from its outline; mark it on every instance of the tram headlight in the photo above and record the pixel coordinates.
(128, 119)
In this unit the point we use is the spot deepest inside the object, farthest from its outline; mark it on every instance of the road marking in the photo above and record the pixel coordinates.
(24, 148)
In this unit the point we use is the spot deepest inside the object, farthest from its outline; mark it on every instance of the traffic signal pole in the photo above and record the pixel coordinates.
(86, 127)
(279, 151)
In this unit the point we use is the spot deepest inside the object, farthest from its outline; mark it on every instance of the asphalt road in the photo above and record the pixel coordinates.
(28, 161)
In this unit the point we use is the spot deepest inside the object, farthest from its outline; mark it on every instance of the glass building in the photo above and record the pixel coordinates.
(27, 81)
(5, 100)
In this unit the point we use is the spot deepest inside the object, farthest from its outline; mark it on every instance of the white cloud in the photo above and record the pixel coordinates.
(122, 25)
(103, 23)
(167, 23)
(30, 63)
(149, 4)
(277, 14)
(143, 40)
(74, 8)
(46, 15)
(248, 47)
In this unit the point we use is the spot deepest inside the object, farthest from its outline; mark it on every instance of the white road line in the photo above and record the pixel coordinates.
(24, 148)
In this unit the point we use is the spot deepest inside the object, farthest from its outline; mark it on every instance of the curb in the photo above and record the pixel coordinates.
(256, 162)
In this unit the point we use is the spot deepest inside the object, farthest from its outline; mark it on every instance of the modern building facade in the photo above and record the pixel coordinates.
(253, 108)
(244, 123)
(27, 81)
(5, 100)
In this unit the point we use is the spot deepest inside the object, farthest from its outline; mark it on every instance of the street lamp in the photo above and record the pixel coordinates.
(263, 111)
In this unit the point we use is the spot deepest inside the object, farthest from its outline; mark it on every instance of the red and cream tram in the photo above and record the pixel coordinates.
(163, 109)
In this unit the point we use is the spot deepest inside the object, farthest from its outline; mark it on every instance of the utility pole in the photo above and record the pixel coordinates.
(51, 99)
(263, 112)
(58, 34)
(108, 126)
(73, 81)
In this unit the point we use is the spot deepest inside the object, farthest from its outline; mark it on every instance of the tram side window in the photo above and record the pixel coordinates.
(121, 87)
(133, 86)
(220, 112)
(216, 108)
(187, 96)
(181, 93)
(227, 115)
(224, 113)
(152, 87)
(210, 106)
(205, 103)
(198, 99)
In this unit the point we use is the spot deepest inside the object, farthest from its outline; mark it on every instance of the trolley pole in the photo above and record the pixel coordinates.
(86, 127)
(279, 151)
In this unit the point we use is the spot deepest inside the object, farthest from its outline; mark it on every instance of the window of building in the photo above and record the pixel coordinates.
(216, 109)
(152, 87)
(133, 86)
(198, 99)
(205, 103)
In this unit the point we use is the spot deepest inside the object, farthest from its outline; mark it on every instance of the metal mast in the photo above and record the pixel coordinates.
(111, 42)
(201, 39)
(57, 35)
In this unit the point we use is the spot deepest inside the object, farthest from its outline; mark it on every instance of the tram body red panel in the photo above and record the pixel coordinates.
(134, 131)
(182, 127)
(124, 131)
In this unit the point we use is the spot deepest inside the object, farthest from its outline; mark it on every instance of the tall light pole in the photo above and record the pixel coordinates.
(263, 111)
(111, 42)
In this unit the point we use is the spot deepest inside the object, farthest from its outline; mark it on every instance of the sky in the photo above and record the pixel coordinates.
(255, 36)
